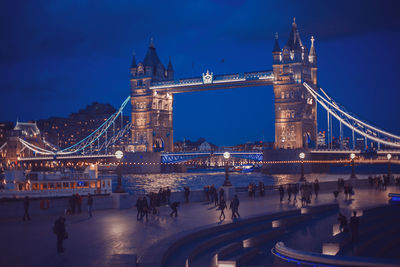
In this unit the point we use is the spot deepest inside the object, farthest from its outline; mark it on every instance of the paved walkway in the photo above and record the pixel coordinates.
(113, 237)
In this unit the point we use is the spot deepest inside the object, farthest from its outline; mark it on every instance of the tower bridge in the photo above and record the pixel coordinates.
(153, 87)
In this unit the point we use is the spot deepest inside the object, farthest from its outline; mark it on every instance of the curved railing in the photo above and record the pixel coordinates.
(316, 259)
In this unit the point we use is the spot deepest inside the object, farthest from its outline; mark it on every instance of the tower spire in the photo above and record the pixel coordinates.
(276, 44)
(151, 42)
(133, 65)
(312, 56)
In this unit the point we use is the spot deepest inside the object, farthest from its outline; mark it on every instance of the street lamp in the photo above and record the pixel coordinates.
(389, 156)
(227, 155)
(352, 156)
(302, 156)
(119, 155)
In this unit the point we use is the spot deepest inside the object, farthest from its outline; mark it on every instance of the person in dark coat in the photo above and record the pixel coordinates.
(281, 192)
(168, 194)
(174, 207)
(316, 188)
(60, 231)
(354, 224)
(342, 222)
(26, 209)
(90, 204)
(139, 208)
(235, 207)
(187, 192)
(145, 209)
(222, 207)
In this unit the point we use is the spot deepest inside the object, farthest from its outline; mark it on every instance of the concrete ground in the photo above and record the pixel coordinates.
(115, 237)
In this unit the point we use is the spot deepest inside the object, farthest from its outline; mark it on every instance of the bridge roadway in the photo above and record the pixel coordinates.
(113, 237)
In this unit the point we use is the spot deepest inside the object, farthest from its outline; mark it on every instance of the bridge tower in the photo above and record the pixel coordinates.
(295, 109)
(151, 110)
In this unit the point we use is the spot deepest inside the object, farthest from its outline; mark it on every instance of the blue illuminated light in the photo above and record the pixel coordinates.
(395, 199)
(298, 262)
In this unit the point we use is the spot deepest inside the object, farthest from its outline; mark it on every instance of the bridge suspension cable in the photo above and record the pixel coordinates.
(80, 146)
(353, 123)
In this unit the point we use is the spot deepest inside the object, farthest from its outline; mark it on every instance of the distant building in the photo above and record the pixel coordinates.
(200, 145)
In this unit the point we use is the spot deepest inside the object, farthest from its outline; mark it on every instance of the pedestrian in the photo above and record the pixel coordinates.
(235, 207)
(72, 204)
(354, 224)
(168, 194)
(174, 207)
(222, 207)
(262, 188)
(281, 192)
(60, 231)
(26, 209)
(316, 188)
(342, 222)
(221, 193)
(187, 192)
(215, 197)
(295, 192)
(139, 208)
(289, 192)
(78, 202)
(90, 204)
(145, 209)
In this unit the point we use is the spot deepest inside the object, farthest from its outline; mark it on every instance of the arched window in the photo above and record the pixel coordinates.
(159, 104)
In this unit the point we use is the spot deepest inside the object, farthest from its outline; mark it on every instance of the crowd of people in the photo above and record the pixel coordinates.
(145, 207)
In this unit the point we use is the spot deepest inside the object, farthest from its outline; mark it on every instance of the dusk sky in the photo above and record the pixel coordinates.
(56, 57)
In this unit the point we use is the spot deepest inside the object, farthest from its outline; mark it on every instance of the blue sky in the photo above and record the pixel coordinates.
(56, 57)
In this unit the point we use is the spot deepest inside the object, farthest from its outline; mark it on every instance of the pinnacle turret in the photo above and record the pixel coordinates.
(276, 44)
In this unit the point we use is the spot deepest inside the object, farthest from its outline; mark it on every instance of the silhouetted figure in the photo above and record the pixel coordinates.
(26, 209)
(281, 192)
(145, 209)
(60, 231)
(72, 202)
(187, 193)
(316, 188)
(235, 207)
(139, 208)
(295, 191)
(289, 192)
(168, 195)
(354, 224)
(174, 207)
(222, 207)
(342, 222)
(90, 204)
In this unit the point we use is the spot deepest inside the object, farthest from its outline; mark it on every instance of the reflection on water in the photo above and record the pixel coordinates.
(140, 183)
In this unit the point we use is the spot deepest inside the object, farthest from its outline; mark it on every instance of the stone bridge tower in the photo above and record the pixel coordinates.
(151, 111)
(295, 109)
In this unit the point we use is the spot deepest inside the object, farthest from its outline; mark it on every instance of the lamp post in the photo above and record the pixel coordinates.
(389, 156)
(119, 155)
(227, 155)
(302, 156)
(352, 157)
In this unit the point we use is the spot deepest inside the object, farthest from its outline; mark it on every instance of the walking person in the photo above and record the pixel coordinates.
(342, 222)
(235, 207)
(79, 202)
(354, 224)
(316, 188)
(139, 208)
(145, 209)
(26, 209)
(295, 192)
(187, 192)
(168, 195)
(90, 204)
(281, 192)
(222, 207)
(289, 192)
(174, 207)
(60, 231)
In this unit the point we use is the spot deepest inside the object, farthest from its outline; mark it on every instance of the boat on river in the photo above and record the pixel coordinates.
(21, 183)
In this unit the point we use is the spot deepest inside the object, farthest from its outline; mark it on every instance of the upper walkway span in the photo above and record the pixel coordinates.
(217, 82)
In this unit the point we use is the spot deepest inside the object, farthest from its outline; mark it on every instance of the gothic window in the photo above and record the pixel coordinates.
(139, 82)
(154, 104)
(166, 106)
(292, 94)
(159, 104)
(283, 95)
(141, 122)
(287, 94)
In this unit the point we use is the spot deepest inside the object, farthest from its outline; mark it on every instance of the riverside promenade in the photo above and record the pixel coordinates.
(115, 238)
